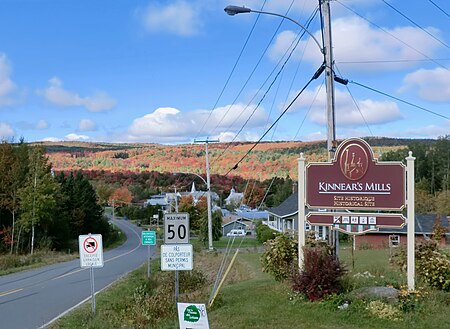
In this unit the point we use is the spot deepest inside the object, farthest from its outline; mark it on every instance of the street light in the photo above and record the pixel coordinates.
(208, 199)
(326, 51)
(234, 10)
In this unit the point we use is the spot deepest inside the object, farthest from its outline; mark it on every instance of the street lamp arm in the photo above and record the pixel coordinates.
(191, 173)
(234, 10)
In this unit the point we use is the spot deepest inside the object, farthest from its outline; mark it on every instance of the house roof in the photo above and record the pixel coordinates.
(287, 208)
(423, 224)
(234, 222)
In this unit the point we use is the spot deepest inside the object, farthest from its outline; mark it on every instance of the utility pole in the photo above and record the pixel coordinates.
(329, 79)
(208, 183)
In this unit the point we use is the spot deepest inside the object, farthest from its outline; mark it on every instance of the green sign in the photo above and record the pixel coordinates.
(148, 238)
(191, 314)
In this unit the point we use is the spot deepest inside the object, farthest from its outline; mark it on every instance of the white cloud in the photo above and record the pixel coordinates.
(346, 112)
(76, 137)
(433, 85)
(354, 40)
(51, 139)
(6, 130)
(314, 136)
(87, 125)
(58, 96)
(171, 124)
(41, 124)
(7, 86)
(179, 17)
(430, 131)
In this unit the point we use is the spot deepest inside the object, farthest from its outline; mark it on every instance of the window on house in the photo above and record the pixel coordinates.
(394, 240)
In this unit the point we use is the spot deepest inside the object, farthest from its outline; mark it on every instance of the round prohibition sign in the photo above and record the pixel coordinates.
(90, 245)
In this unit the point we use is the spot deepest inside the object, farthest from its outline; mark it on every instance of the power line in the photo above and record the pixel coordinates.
(315, 76)
(392, 61)
(445, 13)
(309, 109)
(356, 104)
(413, 22)
(399, 99)
(393, 36)
(296, 41)
(231, 73)
(254, 68)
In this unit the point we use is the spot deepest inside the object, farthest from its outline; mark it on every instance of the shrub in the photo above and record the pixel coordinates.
(265, 233)
(321, 274)
(280, 257)
(384, 311)
(411, 300)
(432, 264)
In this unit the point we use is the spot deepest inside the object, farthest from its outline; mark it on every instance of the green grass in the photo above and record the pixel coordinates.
(237, 242)
(17, 263)
(257, 301)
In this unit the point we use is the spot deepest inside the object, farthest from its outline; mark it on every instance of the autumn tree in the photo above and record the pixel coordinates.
(122, 196)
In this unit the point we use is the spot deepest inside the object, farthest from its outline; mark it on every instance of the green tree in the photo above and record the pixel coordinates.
(104, 192)
(216, 221)
(443, 203)
(37, 196)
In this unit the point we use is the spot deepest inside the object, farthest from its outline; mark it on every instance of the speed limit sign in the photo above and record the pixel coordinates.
(176, 228)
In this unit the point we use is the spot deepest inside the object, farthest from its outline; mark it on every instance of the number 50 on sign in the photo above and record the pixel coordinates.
(176, 228)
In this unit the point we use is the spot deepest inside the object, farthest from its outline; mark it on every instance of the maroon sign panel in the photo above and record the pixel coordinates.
(355, 180)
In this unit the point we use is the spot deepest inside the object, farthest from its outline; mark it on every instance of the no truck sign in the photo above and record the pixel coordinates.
(91, 250)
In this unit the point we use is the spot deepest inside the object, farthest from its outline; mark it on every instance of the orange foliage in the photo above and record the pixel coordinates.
(121, 196)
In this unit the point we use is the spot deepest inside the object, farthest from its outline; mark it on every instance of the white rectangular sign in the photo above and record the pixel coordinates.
(176, 257)
(91, 250)
(176, 228)
(192, 316)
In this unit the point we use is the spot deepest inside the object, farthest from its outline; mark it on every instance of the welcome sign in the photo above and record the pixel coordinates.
(354, 179)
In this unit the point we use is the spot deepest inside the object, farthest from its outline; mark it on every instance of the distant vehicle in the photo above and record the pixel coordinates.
(235, 232)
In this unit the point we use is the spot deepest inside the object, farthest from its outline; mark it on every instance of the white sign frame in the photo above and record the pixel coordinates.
(177, 257)
(176, 228)
(91, 250)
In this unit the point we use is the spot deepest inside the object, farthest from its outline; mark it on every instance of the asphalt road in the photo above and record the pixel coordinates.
(32, 299)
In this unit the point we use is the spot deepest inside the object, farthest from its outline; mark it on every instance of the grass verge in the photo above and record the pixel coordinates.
(252, 299)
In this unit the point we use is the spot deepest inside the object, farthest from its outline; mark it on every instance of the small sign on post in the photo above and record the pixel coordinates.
(176, 228)
(148, 239)
(91, 255)
(176, 257)
(91, 250)
(192, 316)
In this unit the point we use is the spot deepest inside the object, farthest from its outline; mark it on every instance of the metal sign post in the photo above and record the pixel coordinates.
(91, 272)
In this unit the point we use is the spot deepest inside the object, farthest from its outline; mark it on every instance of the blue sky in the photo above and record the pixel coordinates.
(157, 71)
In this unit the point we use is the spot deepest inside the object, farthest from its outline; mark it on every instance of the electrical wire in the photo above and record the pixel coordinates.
(232, 71)
(356, 104)
(399, 99)
(392, 61)
(254, 69)
(296, 41)
(414, 23)
(309, 109)
(393, 36)
(315, 76)
(445, 13)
